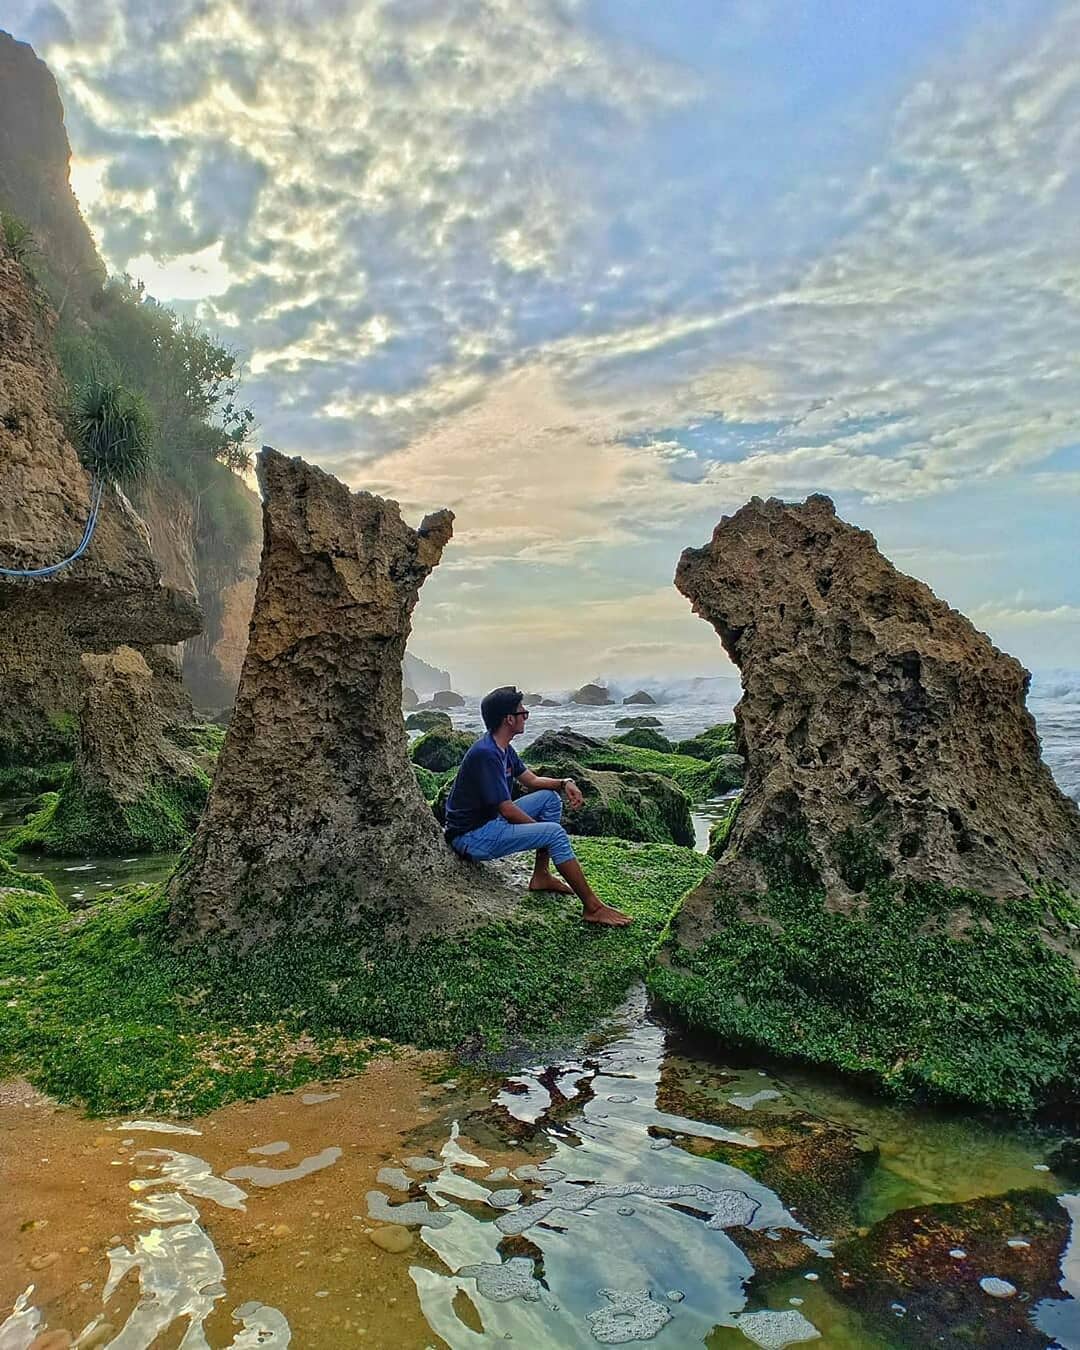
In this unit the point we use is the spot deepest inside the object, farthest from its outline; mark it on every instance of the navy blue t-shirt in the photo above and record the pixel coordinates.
(484, 781)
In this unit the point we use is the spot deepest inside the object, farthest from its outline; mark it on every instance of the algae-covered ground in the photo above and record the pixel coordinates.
(923, 991)
(100, 1008)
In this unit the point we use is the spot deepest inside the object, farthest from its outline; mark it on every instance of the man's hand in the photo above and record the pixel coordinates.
(573, 795)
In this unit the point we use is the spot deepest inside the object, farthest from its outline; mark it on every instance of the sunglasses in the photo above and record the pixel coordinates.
(520, 712)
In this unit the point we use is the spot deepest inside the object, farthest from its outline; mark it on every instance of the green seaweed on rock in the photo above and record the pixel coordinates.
(925, 991)
(26, 897)
(697, 778)
(102, 1008)
(73, 823)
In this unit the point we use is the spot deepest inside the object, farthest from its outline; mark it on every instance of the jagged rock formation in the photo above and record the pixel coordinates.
(872, 707)
(315, 820)
(423, 679)
(112, 594)
(640, 697)
(896, 892)
(131, 788)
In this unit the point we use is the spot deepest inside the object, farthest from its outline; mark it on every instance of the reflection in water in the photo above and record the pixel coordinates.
(636, 1191)
(181, 1276)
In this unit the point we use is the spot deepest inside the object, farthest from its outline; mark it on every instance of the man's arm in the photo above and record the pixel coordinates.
(514, 814)
(534, 782)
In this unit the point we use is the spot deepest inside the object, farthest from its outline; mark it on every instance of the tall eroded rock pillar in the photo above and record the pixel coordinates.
(871, 709)
(314, 817)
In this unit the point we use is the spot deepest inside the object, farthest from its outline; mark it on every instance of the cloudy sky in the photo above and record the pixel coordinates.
(593, 272)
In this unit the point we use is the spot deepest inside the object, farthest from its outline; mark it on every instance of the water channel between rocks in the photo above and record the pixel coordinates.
(571, 1202)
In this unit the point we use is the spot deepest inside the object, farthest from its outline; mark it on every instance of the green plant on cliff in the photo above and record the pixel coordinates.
(113, 430)
(17, 236)
(930, 992)
(102, 1007)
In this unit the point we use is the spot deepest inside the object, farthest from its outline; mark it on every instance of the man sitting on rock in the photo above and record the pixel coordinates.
(482, 822)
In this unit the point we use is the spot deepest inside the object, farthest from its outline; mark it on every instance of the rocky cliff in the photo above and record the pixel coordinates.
(218, 569)
(315, 821)
(112, 594)
(35, 183)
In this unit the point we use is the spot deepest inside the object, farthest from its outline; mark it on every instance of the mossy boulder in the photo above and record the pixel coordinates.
(907, 1259)
(75, 823)
(428, 721)
(22, 779)
(439, 749)
(645, 737)
(638, 722)
(696, 778)
(25, 897)
(928, 992)
(642, 807)
(432, 783)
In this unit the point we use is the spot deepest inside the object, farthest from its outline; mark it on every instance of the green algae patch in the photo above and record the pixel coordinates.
(925, 992)
(25, 897)
(19, 779)
(74, 823)
(102, 1008)
(440, 749)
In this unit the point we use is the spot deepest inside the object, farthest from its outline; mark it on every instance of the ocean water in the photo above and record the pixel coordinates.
(687, 707)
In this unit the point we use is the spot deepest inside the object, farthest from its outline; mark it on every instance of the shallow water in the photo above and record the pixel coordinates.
(556, 1204)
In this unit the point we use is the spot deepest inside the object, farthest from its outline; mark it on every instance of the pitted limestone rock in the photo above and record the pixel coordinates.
(870, 706)
(315, 820)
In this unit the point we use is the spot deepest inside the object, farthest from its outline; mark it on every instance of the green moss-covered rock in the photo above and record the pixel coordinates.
(696, 778)
(431, 783)
(645, 737)
(16, 780)
(928, 992)
(638, 722)
(25, 897)
(906, 1259)
(72, 823)
(106, 1010)
(439, 749)
(641, 807)
(428, 721)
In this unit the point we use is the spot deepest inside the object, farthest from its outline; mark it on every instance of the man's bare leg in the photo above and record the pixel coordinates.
(542, 880)
(595, 909)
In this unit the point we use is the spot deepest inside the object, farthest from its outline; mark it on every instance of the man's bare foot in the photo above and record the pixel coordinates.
(611, 918)
(549, 883)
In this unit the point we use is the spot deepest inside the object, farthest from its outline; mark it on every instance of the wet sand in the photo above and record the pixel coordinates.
(302, 1246)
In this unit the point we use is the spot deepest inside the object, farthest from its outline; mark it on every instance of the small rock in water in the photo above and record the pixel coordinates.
(500, 1283)
(774, 1330)
(633, 1316)
(625, 1210)
(392, 1237)
(393, 1177)
(675, 1295)
(990, 1284)
(621, 1097)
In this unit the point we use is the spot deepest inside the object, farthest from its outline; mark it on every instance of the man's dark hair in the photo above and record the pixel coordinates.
(499, 704)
